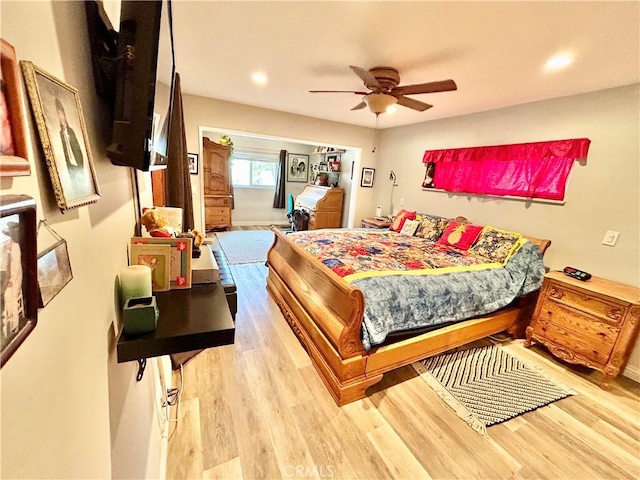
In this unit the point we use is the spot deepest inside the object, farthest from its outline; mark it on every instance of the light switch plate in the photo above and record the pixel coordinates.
(610, 238)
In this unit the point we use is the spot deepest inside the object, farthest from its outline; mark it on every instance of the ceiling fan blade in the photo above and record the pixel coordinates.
(413, 104)
(359, 106)
(366, 76)
(431, 87)
(338, 91)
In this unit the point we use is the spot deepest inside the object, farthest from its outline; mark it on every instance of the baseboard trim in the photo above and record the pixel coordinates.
(632, 372)
(260, 223)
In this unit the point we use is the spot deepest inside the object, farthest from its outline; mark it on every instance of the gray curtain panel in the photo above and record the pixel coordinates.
(177, 178)
(280, 197)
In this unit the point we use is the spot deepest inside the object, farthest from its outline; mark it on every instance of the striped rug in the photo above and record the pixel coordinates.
(486, 385)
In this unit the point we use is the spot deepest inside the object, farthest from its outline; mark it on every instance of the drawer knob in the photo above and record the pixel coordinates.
(585, 297)
(556, 293)
(614, 313)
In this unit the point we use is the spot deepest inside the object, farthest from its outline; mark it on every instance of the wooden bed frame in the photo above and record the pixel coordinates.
(326, 313)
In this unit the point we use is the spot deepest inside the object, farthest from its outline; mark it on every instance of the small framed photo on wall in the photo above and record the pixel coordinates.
(13, 145)
(18, 272)
(193, 163)
(367, 177)
(54, 271)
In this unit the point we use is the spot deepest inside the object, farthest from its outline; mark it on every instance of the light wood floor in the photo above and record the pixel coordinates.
(257, 409)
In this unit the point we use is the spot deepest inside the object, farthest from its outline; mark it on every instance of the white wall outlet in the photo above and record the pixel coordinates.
(610, 238)
(402, 202)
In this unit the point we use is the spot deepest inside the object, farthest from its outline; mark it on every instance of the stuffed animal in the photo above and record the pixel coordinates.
(156, 223)
(197, 237)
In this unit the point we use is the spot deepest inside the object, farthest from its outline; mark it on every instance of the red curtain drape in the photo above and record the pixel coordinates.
(530, 170)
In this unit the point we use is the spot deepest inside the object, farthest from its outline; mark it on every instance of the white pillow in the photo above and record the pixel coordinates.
(409, 228)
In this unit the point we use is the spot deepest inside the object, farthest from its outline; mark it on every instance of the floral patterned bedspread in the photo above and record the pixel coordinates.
(356, 254)
(410, 283)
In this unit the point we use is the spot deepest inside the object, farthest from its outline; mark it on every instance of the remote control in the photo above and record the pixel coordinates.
(575, 273)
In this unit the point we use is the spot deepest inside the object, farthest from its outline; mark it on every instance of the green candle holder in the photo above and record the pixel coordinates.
(140, 315)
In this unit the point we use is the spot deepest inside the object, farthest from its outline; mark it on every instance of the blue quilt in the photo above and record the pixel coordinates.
(431, 300)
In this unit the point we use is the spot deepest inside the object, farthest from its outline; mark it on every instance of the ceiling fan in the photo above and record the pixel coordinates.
(383, 83)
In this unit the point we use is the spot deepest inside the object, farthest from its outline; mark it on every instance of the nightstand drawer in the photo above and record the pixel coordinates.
(598, 332)
(559, 335)
(609, 311)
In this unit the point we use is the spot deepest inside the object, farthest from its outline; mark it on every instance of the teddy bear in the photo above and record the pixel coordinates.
(197, 237)
(156, 224)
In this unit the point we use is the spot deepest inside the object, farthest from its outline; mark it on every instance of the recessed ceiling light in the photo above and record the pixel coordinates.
(391, 109)
(558, 62)
(259, 78)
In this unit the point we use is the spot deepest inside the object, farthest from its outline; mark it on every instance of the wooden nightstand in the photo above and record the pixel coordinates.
(373, 223)
(593, 323)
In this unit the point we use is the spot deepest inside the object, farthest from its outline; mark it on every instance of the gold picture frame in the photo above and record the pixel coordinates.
(58, 116)
(13, 144)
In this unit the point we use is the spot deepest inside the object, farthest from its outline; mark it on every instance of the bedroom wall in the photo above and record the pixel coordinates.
(229, 116)
(601, 195)
(68, 410)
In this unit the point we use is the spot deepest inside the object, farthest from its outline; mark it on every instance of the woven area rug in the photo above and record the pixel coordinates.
(486, 385)
(245, 246)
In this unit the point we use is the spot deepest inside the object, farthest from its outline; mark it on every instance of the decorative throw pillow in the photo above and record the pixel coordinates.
(496, 245)
(431, 227)
(409, 228)
(460, 235)
(401, 217)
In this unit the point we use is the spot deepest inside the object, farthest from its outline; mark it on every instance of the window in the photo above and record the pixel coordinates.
(253, 170)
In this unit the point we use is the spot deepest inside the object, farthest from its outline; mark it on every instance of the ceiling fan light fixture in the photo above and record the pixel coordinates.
(379, 102)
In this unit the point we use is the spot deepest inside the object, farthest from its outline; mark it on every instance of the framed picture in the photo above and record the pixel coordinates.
(54, 271)
(13, 144)
(63, 134)
(180, 261)
(193, 163)
(158, 259)
(18, 272)
(367, 177)
(297, 167)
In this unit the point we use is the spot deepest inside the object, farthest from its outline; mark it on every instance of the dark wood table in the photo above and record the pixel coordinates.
(190, 319)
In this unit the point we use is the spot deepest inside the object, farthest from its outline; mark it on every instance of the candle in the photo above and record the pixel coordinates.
(135, 281)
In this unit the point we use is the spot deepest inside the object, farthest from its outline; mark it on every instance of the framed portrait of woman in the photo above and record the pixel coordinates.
(63, 135)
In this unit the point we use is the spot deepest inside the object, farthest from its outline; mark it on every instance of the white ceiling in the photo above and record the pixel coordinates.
(495, 51)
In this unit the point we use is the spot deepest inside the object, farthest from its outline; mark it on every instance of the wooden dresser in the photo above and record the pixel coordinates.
(217, 185)
(593, 323)
(323, 204)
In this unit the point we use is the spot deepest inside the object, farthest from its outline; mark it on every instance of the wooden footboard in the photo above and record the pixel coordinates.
(336, 307)
(326, 313)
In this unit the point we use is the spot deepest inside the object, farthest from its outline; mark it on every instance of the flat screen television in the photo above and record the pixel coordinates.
(135, 73)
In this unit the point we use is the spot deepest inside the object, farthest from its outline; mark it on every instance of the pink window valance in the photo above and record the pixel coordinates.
(530, 170)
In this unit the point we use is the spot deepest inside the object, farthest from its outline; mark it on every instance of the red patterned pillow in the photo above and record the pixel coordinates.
(460, 235)
(401, 217)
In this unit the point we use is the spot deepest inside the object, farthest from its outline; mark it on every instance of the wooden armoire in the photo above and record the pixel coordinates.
(217, 185)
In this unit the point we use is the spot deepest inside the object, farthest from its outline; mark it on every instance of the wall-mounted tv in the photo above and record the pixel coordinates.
(136, 77)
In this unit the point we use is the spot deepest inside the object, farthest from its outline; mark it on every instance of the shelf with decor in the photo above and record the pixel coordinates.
(326, 163)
